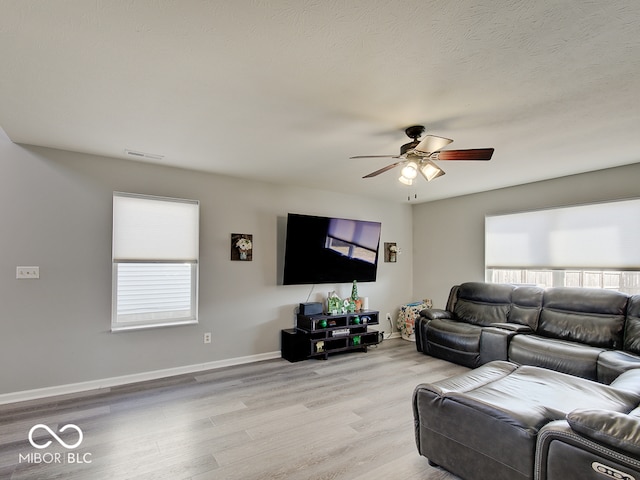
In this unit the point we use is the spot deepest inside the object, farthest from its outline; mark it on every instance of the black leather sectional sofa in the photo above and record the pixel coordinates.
(555, 388)
(590, 333)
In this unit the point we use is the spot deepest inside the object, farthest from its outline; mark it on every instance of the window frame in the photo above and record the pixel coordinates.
(122, 322)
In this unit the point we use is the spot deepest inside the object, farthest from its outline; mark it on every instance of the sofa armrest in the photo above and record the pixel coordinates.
(513, 327)
(612, 363)
(433, 313)
(426, 315)
(494, 342)
(613, 429)
(423, 320)
(628, 381)
(564, 454)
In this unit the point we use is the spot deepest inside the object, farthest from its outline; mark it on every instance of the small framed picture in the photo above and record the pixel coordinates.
(242, 247)
(390, 252)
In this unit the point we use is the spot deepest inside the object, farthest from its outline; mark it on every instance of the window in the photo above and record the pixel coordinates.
(583, 246)
(623, 281)
(155, 261)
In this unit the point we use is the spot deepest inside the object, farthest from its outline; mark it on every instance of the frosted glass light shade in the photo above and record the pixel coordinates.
(430, 170)
(410, 171)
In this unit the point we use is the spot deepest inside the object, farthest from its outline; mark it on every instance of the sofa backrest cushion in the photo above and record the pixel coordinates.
(585, 315)
(453, 298)
(526, 305)
(632, 326)
(483, 303)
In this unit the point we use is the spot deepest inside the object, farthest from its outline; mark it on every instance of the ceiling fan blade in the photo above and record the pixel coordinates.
(431, 143)
(377, 156)
(384, 169)
(471, 154)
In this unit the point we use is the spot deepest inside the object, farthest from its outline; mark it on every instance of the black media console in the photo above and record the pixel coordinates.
(316, 336)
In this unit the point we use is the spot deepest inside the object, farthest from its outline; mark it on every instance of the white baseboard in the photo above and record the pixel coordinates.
(127, 379)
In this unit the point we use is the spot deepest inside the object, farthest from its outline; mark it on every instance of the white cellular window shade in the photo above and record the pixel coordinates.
(154, 228)
(603, 235)
(155, 261)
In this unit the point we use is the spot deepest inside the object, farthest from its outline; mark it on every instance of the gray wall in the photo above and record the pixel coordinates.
(56, 213)
(449, 234)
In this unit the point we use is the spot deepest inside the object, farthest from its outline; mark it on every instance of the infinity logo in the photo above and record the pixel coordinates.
(53, 434)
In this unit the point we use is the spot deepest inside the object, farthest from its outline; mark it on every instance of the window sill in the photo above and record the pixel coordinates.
(128, 328)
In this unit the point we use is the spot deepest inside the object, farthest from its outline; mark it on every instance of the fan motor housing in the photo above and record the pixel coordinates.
(415, 131)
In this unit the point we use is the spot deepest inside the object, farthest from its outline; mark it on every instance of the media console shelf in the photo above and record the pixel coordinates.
(316, 336)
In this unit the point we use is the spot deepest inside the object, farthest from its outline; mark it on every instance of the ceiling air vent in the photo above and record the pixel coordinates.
(137, 154)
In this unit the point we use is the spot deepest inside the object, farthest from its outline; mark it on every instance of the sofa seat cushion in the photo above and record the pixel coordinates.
(614, 362)
(484, 423)
(563, 356)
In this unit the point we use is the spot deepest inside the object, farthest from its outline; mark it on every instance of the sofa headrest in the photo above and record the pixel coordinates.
(486, 292)
(586, 300)
(483, 303)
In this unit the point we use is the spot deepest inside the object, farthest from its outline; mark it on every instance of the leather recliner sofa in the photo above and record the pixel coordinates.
(590, 333)
(503, 421)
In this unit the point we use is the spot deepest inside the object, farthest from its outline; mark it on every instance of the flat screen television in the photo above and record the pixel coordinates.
(330, 250)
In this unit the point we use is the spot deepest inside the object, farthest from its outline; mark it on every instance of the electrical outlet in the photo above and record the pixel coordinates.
(27, 272)
(388, 317)
(207, 337)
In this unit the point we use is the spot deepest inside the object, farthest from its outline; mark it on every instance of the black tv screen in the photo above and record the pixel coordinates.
(330, 250)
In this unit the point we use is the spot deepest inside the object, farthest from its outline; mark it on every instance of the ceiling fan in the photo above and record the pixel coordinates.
(419, 156)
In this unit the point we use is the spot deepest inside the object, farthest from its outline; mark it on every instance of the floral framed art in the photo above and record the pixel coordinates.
(391, 251)
(242, 247)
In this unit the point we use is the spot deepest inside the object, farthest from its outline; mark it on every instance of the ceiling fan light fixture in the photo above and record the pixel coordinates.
(405, 180)
(410, 170)
(418, 155)
(430, 170)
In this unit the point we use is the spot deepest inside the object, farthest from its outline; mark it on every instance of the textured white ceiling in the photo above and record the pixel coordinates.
(286, 91)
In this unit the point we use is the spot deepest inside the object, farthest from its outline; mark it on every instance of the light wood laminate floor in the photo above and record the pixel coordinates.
(348, 417)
